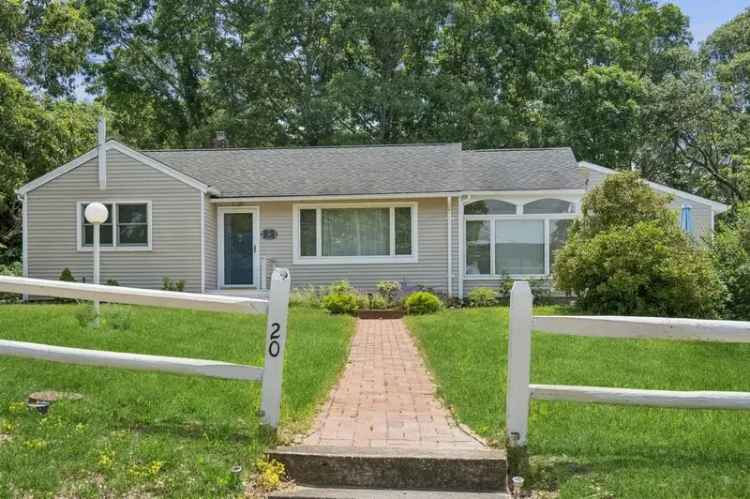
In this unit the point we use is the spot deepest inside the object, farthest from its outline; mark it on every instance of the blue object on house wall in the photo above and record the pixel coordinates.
(686, 219)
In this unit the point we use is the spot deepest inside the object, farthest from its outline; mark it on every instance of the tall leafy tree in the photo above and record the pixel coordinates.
(150, 65)
(43, 45)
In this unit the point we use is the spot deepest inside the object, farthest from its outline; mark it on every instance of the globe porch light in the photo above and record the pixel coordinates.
(96, 213)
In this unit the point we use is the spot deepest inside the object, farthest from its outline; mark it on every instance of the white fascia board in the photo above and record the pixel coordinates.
(417, 195)
(112, 144)
(332, 197)
(715, 205)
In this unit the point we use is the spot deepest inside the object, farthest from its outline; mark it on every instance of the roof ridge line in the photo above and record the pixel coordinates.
(300, 148)
(516, 149)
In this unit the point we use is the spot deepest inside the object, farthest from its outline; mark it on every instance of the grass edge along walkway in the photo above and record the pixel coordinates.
(152, 434)
(586, 450)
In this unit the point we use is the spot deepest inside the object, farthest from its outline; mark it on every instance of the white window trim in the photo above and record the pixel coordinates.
(519, 216)
(255, 210)
(298, 259)
(115, 247)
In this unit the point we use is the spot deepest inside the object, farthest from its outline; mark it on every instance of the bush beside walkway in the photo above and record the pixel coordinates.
(149, 434)
(595, 450)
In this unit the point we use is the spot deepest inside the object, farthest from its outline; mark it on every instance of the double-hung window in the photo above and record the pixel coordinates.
(355, 233)
(127, 226)
(503, 238)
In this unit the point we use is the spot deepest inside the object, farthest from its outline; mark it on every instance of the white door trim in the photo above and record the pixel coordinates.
(255, 211)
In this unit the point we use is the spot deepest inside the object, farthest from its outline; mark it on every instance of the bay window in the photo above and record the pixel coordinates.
(503, 238)
(355, 233)
(127, 226)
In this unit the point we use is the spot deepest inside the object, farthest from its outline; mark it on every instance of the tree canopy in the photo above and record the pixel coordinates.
(617, 80)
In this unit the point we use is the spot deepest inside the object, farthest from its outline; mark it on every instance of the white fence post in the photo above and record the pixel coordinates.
(519, 362)
(276, 330)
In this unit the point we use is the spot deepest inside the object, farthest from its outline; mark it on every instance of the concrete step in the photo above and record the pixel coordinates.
(325, 493)
(481, 470)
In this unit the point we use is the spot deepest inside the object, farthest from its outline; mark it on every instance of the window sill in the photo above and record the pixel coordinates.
(353, 260)
(488, 277)
(115, 249)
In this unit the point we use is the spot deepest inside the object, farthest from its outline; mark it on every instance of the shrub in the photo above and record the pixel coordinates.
(168, 284)
(343, 303)
(112, 282)
(341, 287)
(730, 252)
(66, 275)
(343, 299)
(646, 269)
(12, 269)
(628, 256)
(15, 270)
(378, 302)
(541, 290)
(482, 297)
(389, 291)
(504, 287)
(305, 297)
(422, 302)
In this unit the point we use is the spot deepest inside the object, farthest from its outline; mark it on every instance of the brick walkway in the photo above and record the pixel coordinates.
(385, 397)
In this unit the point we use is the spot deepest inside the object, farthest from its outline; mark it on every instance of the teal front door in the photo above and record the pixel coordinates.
(238, 248)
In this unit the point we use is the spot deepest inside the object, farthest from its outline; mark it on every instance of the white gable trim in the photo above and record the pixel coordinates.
(715, 205)
(122, 148)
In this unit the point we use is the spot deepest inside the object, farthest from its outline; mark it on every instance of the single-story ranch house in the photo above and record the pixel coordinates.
(221, 219)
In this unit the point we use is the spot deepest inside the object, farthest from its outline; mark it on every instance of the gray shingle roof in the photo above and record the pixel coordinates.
(521, 170)
(358, 170)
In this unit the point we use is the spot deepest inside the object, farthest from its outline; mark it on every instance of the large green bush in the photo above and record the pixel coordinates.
(730, 250)
(343, 299)
(628, 256)
(422, 302)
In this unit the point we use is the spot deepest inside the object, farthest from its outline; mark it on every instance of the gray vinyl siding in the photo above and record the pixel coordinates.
(702, 213)
(176, 231)
(455, 243)
(431, 269)
(211, 245)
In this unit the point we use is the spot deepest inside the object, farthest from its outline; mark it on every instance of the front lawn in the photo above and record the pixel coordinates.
(587, 450)
(139, 434)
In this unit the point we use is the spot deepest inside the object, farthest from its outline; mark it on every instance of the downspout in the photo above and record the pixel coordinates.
(203, 242)
(460, 248)
(101, 138)
(450, 246)
(25, 238)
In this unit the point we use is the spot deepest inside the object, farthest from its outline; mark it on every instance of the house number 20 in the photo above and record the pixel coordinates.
(274, 347)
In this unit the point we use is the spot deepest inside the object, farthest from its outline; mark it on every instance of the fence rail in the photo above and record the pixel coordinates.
(520, 391)
(276, 331)
(645, 327)
(177, 365)
(132, 296)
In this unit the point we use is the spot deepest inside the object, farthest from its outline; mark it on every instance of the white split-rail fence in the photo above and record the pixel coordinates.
(270, 375)
(520, 391)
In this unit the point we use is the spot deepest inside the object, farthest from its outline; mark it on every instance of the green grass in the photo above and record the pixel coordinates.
(588, 450)
(150, 434)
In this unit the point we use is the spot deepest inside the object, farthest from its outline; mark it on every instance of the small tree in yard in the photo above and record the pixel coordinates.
(628, 256)
(730, 250)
